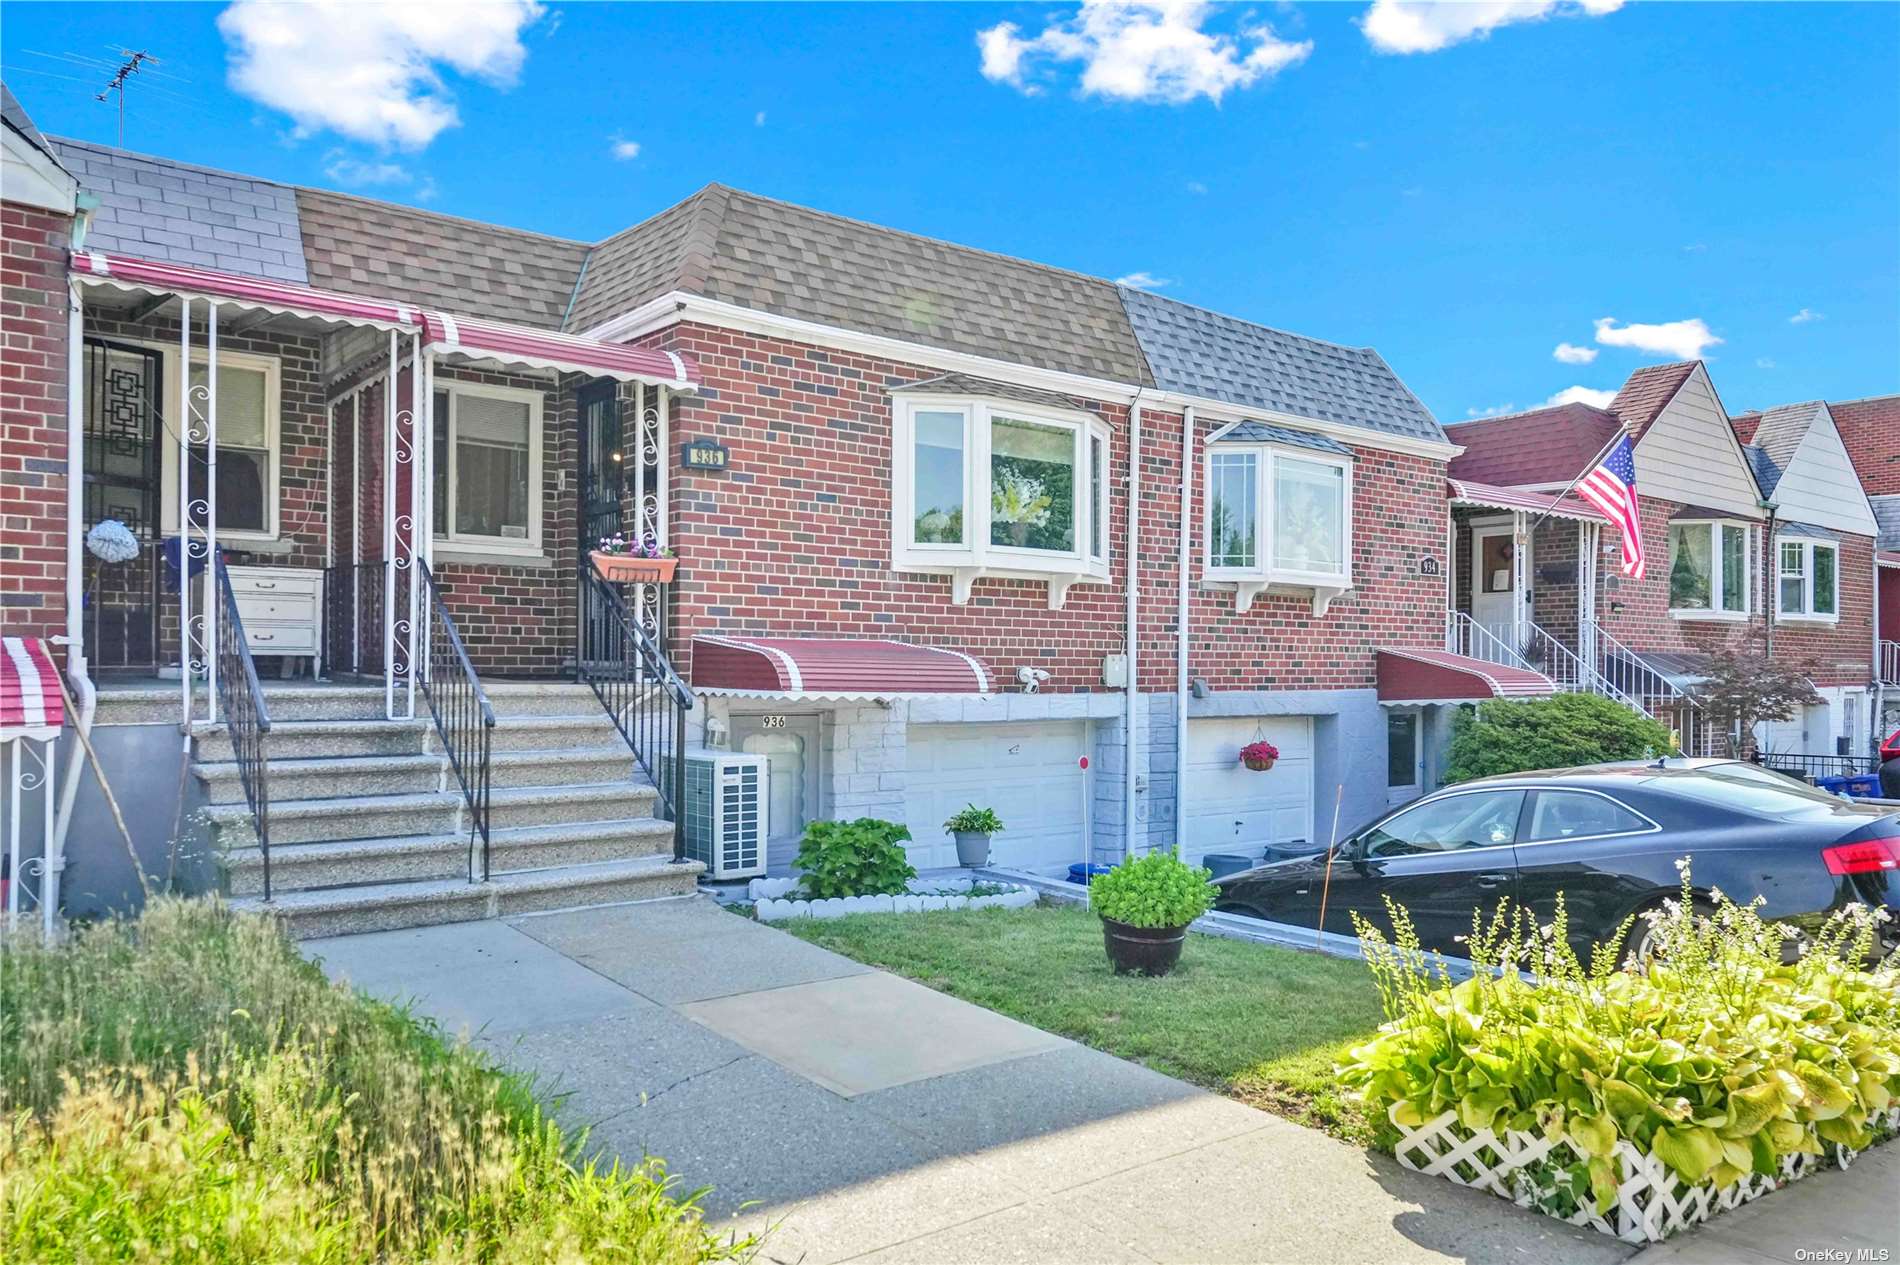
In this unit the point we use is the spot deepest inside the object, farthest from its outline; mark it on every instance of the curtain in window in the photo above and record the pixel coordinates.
(243, 446)
(1309, 507)
(491, 467)
(1691, 567)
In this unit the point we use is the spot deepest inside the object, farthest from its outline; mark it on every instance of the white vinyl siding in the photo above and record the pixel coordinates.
(1819, 486)
(1690, 455)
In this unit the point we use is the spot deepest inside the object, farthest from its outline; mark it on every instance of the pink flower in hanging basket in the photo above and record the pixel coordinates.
(1259, 756)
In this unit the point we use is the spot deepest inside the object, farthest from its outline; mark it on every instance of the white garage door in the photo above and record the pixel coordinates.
(1230, 808)
(1028, 773)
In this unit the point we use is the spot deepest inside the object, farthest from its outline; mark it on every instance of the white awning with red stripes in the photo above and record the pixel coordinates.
(30, 702)
(832, 668)
(1494, 496)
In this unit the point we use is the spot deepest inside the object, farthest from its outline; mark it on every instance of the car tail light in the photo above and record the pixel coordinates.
(1866, 856)
(1890, 749)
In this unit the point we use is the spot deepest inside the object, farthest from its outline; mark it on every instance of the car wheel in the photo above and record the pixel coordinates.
(1639, 945)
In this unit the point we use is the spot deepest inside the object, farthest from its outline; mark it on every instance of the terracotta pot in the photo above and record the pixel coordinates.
(1142, 950)
(619, 568)
(1259, 764)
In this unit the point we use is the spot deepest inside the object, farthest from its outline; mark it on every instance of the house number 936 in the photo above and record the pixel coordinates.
(771, 722)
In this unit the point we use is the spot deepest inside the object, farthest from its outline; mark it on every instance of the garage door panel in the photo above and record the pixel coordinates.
(1231, 808)
(1027, 773)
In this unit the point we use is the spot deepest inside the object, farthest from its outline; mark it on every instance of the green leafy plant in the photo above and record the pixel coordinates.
(974, 820)
(1156, 890)
(1514, 735)
(853, 858)
(1716, 1056)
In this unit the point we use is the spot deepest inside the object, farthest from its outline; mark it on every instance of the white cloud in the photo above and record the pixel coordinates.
(1571, 354)
(1496, 410)
(1145, 50)
(356, 172)
(1696, 248)
(758, 120)
(1805, 315)
(1143, 281)
(1425, 26)
(622, 149)
(1581, 395)
(371, 71)
(1196, 187)
(1764, 363)
(1683, 340)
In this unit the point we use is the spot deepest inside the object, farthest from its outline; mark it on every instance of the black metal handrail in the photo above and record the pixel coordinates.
(642, 693)
(1812, 767)
(246, 718)
(464, 719)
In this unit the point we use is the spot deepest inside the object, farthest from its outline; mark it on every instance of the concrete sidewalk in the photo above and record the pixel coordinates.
(865, 1117)
(1831, 1217)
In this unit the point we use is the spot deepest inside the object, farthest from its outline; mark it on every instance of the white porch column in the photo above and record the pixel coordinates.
(418, 451)
(1520, 580)
(389, 532)
(661, 466)
(214, 594)
(356, 530)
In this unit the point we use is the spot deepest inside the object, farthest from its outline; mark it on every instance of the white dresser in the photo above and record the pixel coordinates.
(282, 610)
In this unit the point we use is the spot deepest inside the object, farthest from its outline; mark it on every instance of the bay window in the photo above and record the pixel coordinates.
(1278, 515)
(1808, 580)
(999, 488)
(487, 469)
(1709, 569)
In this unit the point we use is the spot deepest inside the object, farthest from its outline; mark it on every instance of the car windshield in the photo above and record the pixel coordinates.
(1746, 791)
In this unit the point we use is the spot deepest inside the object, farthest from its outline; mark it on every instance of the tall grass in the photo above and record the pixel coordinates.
(187, 1087)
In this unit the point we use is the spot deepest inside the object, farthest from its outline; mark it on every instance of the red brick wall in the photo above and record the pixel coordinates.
(1636, 612)
(33, 312)
(1871, 431)
(1839, 653)
(795, 539)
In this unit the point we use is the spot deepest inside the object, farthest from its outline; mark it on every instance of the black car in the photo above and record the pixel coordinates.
(1607, 837)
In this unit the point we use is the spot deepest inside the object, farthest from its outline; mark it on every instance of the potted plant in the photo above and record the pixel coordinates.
(1145, 905)
(972, 828)
(1259, 756)
(623, 561)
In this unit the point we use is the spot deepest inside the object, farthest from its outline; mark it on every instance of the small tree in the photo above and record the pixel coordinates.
(1741, 688)
(1518, 735)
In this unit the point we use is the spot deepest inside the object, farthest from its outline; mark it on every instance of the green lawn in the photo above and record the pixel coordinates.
(1263, 1025)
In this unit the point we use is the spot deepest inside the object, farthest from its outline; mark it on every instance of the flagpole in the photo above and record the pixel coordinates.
(1602, 452)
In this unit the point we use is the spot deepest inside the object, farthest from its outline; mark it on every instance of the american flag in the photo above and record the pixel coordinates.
(1611, 487)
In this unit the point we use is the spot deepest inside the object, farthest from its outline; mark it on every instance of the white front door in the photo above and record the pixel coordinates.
(1231, 808)
(790, 746)
(1404, 756)
(1493, 590)
(1030, 773)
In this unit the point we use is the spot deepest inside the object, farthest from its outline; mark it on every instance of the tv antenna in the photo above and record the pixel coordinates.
(129, 67)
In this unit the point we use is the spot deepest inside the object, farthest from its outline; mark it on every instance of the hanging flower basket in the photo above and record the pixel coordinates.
(623, 561)
(1259, 756)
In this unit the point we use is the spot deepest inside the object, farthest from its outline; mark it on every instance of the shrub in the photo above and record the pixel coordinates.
(1515, 735)
(854, 858)
(1716, 1057)
(974, 819)
(189, 1083)
(1156, 890)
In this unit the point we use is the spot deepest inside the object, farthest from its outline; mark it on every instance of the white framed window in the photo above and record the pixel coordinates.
(1710, 565)
(487, 468)
(994, 487)
(1807, 579)
(250, 405)
(1278, 515)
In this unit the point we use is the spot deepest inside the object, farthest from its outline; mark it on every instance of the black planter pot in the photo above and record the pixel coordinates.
(1142, 950)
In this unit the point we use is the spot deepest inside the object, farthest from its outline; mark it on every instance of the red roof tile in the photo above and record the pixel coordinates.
(1547, 445)
(1648, 392)
(1744, 426)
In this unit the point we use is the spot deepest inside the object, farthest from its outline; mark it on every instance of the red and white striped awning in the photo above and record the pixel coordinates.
(30, 702)
(1408, 675)
(511, 345)
(1496, 496)
(831, 668)
(545, 349)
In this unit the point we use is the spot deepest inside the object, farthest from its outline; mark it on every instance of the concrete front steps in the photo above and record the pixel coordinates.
(370, 831)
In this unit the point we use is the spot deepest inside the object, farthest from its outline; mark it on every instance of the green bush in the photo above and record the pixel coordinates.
(853, 858)
(1715, 1057)
(187, 1087)
(973, 819)
(1516, 735)
(1156, 890)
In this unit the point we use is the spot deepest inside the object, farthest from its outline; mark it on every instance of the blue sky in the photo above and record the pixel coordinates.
(1465, 209)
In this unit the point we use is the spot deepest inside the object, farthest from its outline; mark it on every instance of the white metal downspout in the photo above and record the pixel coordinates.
(1181, 632)
(85, 697)
(1131, 726)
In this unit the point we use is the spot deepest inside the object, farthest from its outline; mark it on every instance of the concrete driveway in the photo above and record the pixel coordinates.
(865, 1117)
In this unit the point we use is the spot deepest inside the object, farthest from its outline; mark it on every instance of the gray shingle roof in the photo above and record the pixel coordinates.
(1198, 352)
(772, 256)
(177, 213)
(969, 384)
(1808, 530)
(16, 118)
(1783, 427)
(1887, 514)
(1252, 432)
(362, 246)
(1767, 473)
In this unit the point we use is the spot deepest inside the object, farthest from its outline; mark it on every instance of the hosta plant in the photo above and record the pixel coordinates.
(1716, 1056)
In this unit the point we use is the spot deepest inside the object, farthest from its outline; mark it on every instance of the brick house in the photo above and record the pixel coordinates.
(1755, 530)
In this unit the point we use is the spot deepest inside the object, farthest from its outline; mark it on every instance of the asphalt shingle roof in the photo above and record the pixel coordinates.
(1252, 432)
(16, 118)
(1887, 515)
(173, 212)
(1546, 445)
(1647, 392)
(1781, 429)
(1198, 352)
(1767, 473)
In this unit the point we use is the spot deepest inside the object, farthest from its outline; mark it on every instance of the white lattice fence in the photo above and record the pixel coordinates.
(1652, 1203)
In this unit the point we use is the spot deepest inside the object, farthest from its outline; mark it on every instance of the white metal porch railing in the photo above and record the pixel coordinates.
(1570, 671)
(1657, 696)
(1890, 662)
(1466, 636)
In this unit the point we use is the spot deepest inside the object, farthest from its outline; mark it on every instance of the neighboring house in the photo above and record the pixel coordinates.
(1541, 584)
(927, 501)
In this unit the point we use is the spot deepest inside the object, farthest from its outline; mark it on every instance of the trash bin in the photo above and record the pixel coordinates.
(1860, 785)
(1221, 864)
(1288, 851)
(1078, 873)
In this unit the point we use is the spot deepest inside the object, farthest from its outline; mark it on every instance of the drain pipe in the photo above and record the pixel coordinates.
(1131, 725)
(1181, 631)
